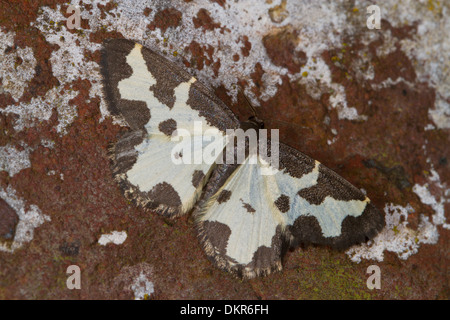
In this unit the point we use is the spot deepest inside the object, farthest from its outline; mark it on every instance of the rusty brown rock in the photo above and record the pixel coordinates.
(281, 49)
(165, 19)
(384, 155)
(204, 20)
(8, 221)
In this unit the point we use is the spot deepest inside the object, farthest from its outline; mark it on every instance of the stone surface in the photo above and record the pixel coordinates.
(8, 221)
(373, 105)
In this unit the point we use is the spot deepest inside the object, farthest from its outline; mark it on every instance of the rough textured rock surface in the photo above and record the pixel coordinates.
(373, 105)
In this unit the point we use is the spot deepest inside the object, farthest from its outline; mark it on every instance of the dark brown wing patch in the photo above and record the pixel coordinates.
(163, 194)
(115, 68)
(306, 230)
(214, 236)
(248, 207)
(167, 127)
(282, 203)
(197, 178)
(224, 196)
(332, 185)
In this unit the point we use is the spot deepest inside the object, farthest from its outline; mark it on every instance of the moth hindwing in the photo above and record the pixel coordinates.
(245, 219)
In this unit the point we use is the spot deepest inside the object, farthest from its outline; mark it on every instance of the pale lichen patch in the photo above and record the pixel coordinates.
(29, 219)
(423, 191)
(40, 109)
(115, 237)
(16, 66)
(13, 160)
(396, 237)
(142, 287)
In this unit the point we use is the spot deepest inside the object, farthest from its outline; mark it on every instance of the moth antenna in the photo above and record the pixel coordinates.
(287, 123)
(255, 114)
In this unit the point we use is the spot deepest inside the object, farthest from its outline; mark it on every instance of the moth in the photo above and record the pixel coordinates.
(245, 220)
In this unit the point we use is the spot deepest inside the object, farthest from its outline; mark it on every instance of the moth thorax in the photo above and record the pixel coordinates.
(252, 123)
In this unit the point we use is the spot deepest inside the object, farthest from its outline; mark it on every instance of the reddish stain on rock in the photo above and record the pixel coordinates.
(239, 107)
(247, 46)
(202, 55)
(216, 67)
(204, 20)
(280, 48)
(257, 79)
(147, 11)
(8, 221)
(392, 66)
(403, 32)
(18, 14)
(102, 34)
(165, 19)
(297, 116)
(220, 2)
(43, 79)
(198, 58)
(103, 8)
(6, 99)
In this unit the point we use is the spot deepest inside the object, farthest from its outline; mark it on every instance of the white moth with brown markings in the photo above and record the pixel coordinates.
(246, 220)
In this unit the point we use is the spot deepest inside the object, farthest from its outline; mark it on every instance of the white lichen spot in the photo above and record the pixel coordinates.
(48, 143)
(40, 109)
(13, 160)
(116, 237)
(427, 198)
(338, 101)
(441, 112)
(28, 220)
(135, 280)
(396, 237)
(330, 142)
(142, 287)
(16, 66)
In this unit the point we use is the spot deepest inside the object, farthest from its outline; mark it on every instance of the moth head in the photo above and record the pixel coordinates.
(256, 122)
